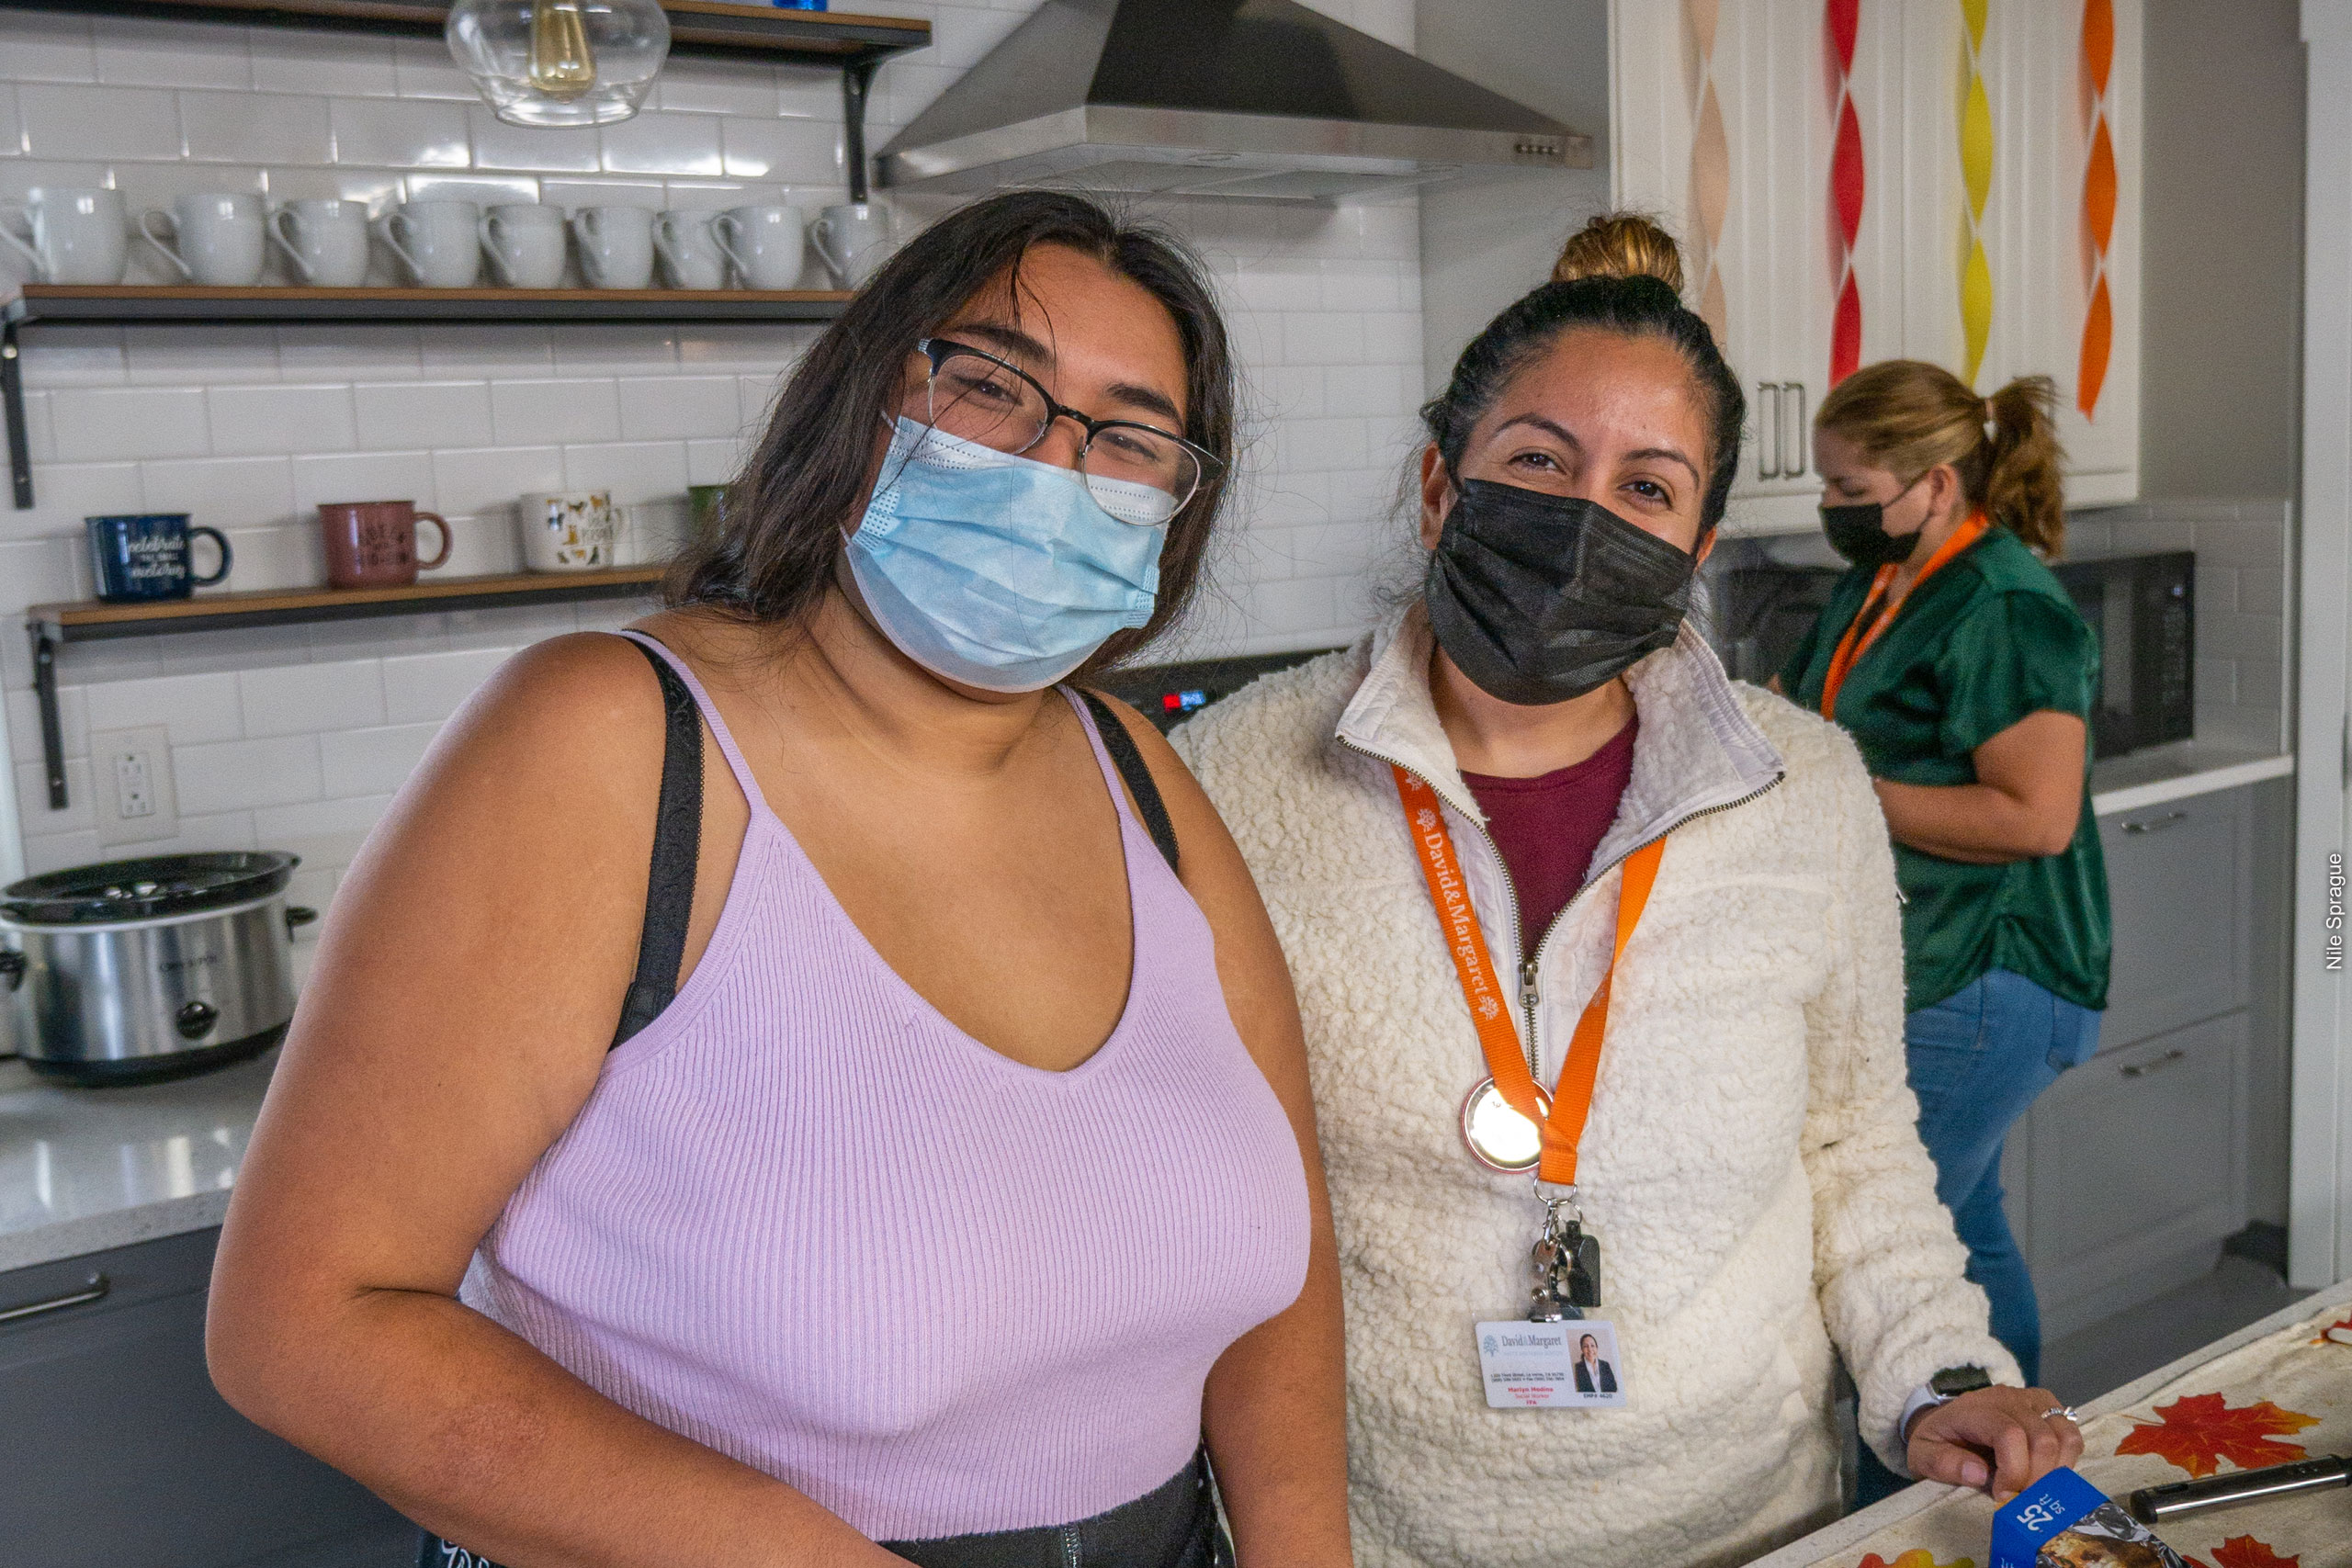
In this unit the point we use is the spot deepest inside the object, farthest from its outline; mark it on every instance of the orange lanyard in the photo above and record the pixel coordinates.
(1563, 1118)
(1857, 642)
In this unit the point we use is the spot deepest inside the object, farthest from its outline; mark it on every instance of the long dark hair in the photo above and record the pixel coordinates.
(769, 558)
(1611, 279)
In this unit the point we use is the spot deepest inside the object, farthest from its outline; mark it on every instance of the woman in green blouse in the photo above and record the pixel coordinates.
(1961, 669)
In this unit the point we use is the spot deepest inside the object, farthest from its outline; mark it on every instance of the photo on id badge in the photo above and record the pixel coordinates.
(1569, 1365)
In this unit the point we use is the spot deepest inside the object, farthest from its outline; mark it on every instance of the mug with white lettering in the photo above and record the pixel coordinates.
(216, 238)
(139, 557)
(325, 239)
(73, 234)
(572, 530)
(438, 242)
(690, 255)
(764, 244)
(615, 246)
(523, 241)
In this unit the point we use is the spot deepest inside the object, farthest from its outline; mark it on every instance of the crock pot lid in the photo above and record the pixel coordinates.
(143, 889)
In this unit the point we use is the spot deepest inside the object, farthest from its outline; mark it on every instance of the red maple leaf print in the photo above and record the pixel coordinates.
(2198, 1431)
(2245, 1552)
(1920, 1557)
(2342, 1324)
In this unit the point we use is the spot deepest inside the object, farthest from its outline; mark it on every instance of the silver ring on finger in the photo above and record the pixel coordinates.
(2063, 1412)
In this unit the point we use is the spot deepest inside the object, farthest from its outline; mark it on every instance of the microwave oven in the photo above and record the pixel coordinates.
(2143, 610)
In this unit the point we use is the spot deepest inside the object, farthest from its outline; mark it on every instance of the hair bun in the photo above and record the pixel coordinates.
(1621, 244)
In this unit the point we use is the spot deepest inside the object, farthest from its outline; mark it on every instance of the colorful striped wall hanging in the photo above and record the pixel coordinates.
(2099, 204)
(1710, 168)
(1976, 174)
(1843, 20)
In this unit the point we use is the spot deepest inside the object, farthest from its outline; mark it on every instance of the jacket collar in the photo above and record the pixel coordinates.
(1697, 750)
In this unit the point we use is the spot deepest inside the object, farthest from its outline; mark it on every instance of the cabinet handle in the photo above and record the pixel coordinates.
(1767, 453)
(1803, 435)
(2157, 824)
(2142, 1069)
(95, 1291)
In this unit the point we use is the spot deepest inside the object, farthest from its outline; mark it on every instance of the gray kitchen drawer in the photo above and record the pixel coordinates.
(2179, 881)
(122, 1455)
(2137, 1161)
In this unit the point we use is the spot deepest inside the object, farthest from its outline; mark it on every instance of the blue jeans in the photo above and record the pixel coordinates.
(1978, 1060)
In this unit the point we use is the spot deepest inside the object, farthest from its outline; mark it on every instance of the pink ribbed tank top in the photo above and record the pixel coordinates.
(804, 1219)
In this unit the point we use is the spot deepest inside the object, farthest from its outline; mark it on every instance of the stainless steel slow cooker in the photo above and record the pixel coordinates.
(143, 969)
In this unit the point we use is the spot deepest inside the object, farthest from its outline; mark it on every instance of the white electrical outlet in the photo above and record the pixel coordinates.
(130, 786)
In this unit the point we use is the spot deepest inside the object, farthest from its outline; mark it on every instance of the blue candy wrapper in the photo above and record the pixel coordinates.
(2063, 1521)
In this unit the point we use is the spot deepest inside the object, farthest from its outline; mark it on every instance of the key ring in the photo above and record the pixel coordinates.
(1556, 1196)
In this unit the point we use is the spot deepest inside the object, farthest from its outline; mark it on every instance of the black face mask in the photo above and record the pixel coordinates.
(1859, 533)
(1541, 598)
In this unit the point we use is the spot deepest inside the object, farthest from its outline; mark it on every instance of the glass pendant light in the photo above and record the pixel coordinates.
(560, 61)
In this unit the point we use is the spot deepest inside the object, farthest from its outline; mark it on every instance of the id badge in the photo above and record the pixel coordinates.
(1569, 1365)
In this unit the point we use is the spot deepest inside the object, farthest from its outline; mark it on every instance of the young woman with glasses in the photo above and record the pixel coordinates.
(1598, 961)
(804, 1083)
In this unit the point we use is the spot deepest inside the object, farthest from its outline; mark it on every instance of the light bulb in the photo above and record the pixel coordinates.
(563, 65)
(559, 62)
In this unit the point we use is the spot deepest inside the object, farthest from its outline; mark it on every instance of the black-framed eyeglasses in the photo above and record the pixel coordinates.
(976, 396)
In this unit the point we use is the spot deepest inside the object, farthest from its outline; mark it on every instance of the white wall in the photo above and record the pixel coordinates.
(295, 738)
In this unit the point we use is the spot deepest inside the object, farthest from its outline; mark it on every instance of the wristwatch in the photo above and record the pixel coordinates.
(1953, 1381)
(1941, 1389)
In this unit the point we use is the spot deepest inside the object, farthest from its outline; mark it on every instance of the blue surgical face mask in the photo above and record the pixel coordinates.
(998, 572)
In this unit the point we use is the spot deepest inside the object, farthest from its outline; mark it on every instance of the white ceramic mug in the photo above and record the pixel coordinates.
(326, 240)
(570, 530)
(438, 242)
(76, 234)
(690, 254)
(523, 241)
(615, 246)
(765, 245)
(216, 238)
(854, 240)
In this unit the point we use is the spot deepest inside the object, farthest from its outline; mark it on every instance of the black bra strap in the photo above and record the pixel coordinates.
(677, 844)
(1130, 763)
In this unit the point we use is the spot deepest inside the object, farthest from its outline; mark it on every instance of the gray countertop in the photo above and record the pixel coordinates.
(2176, 772)
(84, 1169)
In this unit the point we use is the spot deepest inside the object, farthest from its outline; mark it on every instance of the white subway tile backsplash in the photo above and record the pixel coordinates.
(422, 413)
(532, 412)
(45, 853)
(244, 127)
(97, 423)
(75, 121)
(225, 492)
(426, 688)
(297, 60)
(302, 699)
(467, 482)
(329, 719)
(232, 775)
(194, 708)
(281, 419)
(363, 476)
(141, 51)
(676, 406)
(664, 144)
(372, 762)
(401, 132)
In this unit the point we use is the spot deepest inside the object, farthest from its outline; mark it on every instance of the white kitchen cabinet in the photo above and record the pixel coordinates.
(1730, 137)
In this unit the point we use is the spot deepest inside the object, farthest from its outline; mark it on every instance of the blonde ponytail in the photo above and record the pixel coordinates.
(1906, 416)
(1620, 245)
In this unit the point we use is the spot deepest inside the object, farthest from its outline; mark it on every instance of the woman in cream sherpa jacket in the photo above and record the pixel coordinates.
(1750, 1165)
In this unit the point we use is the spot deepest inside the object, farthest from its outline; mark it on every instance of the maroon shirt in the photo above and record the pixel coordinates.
(1547, 827)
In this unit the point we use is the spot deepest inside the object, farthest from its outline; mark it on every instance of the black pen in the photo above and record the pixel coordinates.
(2155, 1504)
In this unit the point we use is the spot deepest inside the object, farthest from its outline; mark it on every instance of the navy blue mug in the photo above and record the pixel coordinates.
(149, 555)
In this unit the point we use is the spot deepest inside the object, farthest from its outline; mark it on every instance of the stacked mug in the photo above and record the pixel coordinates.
(222, 239)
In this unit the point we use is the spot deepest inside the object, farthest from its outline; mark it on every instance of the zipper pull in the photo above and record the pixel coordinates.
(1527, 983)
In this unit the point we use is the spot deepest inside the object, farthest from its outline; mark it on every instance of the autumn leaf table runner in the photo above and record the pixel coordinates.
(2285, 1394)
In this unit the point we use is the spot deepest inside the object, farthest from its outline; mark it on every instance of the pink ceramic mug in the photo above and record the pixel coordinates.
(372, 544)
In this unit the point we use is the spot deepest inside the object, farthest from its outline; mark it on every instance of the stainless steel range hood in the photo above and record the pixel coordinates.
(1257, 98)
